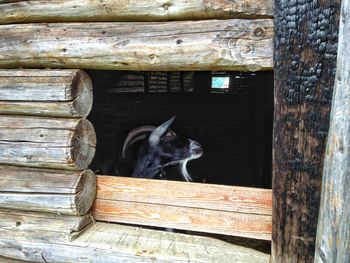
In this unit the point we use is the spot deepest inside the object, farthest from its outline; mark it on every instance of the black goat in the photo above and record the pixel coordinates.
(161, 148)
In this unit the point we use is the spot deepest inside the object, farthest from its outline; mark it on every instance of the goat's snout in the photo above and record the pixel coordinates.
(196, 149)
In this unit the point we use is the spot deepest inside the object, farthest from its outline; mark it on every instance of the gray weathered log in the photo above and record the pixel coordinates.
(47, 142)
(129, 10)
(61, 93)
(47, 190)
(110, 243)
(333, 230)
(44, 227)
(235, 44)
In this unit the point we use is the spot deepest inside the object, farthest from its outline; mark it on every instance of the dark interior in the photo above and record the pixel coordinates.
(233, 124)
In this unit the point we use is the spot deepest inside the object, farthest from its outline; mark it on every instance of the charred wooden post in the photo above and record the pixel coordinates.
(46, 142)
(47, 190)
(305, 58)
(127, 10)
(61, 93)
(333, 230)
(235, 44)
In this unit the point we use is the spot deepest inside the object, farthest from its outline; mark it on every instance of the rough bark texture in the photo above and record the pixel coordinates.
(110, 243)
(333, 231)
(47, 190)
(46, 142)
(305, 55)
(62, 93)
(235, 44)
(129, 10)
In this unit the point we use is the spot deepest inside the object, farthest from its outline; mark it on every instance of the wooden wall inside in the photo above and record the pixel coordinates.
(235, 129)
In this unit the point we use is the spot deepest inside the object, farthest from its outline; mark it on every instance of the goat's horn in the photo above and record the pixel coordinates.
(160, 131)
(136, 135)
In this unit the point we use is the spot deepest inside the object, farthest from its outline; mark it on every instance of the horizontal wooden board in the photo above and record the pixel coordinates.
(129, 10)
(196, 195)
(111, 243)
(227, 210)
(235, 44)
(45, 92)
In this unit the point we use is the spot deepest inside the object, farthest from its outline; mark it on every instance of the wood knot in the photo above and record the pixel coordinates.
(259, 32)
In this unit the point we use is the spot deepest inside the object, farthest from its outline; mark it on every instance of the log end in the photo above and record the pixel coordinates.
(83, 145)
(82, 103)
(86, 192)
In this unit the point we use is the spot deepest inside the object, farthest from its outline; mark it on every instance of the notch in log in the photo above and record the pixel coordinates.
(47, 142)
(235, 44)
(129, 10)
(61, 93)
(47, 190)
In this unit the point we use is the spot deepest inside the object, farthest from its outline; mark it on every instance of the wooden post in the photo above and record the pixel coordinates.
(236, 44)
(61, 93)
(305, 58)
(333, 231)
(47, 190)
(46, 142)
(128, 10)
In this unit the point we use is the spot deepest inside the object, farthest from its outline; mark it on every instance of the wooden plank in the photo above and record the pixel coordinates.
(46, 142)
(44, 190)
(11, 260)
(185, 218)
(110, 243)
(333, 230)
(304, 62)
(196, 195)
(236, 44)
(227, 210)
(128, 10)
(62, 93)
(42, 226)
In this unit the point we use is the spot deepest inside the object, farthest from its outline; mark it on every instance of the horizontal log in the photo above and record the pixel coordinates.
(197, 195)
(45, 190)
(236, 44)
(46, 142)
(128, 10)
(109, 243)
(62, 93)
(228, 210)
(11, 260)
(42, 226)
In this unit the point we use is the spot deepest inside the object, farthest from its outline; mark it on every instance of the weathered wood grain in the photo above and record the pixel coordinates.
(128, 10)
(44, 190)
(333, 230)
(304, 62)
(44, 227)
(110, 243)
(11, 260)
(228, 210)
(185, 218)
(208, 196)
(62, 93)
(235, 44)
(46, 142)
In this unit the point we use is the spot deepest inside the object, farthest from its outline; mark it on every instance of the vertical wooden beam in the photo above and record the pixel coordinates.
(333, 231)
(304, 63)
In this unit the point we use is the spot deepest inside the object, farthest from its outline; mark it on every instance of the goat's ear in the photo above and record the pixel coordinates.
(159, 132)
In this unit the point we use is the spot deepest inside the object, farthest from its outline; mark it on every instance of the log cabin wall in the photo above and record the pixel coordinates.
(235, 127)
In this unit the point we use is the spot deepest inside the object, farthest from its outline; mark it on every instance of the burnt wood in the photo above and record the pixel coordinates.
(304, 61)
